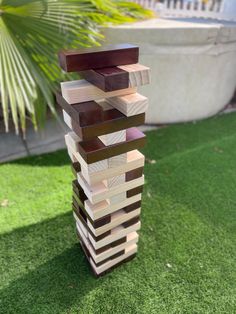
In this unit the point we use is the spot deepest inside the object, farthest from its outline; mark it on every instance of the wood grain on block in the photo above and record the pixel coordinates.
(120, 217)
(117, 236)
(94, 150)
(98, 57)
(132, 238)
(129, 105)
(110, 245)
(85, 113)
(117, 218)
(104, 119)
(67, 119)
(118, 160)
(78, 207)
(116, 233)
(131, 250)
(89, 257)
(97, 258)
(118, 198)
(113, 138)
(114, 181)
(104, 104)
(99, 191)
(113, 78)
(71, 155)
(107, 79)
(80, 217)
(72, 141)
(82, 91)
(88, 254)
(121, 253)
(116, 167)
(138, 74)
(72, 144)
(104, 208)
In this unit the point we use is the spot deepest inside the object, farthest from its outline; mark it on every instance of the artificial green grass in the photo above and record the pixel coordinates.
(187, 249)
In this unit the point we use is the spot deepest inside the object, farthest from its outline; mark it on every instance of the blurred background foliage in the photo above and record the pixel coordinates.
(31, 34)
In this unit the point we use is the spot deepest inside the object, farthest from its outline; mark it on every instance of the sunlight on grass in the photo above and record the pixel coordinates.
(187, 246)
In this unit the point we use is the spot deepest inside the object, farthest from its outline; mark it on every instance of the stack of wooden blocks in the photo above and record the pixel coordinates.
(103, 110)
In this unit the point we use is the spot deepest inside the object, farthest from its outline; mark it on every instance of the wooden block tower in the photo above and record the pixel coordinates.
(103, 110)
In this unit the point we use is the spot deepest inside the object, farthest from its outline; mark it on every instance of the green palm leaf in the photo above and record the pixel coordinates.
(31, 33)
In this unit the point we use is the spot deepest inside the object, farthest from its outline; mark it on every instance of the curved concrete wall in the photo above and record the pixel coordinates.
(193, 66)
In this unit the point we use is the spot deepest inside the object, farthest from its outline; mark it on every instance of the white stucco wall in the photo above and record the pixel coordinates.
(193, 66)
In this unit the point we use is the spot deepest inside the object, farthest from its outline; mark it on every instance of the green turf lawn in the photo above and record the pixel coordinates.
(187, 251)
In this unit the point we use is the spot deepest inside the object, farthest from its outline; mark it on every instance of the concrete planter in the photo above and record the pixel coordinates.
(229, 9)
(193, 66)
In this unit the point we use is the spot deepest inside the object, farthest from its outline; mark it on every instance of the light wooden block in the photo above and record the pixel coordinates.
(138, 74)
(99, 191)
(71, 155)
(104, 104)
(132, 238)
(116, 166)
(82, 91)
(116, 234)
(114, 181)
(72, 141)
(67, 119)
(129, 105)
(106, 207)
(87, 168)
(113, 138)
(82, 228)
(118, 160)
(118, 198)
(131, 250)
(117, 219)
(99, 171)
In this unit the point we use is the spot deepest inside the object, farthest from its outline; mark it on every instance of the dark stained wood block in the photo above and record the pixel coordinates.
(134, 191)
(98, 57)
(88, 255)
(107, 79)
(132, 207)
(102, 122)
(126, 260)
(75, 168)
(110, 245)
(134, 174)
(95, 223)
(83, 219)
(122, 252)
(94, 150)
(79, 197)
(83, 114)
(131, 222)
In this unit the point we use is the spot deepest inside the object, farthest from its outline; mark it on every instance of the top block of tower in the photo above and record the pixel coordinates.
(100, 57)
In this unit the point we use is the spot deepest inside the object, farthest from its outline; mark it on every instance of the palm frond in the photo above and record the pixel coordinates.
(31, 33)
